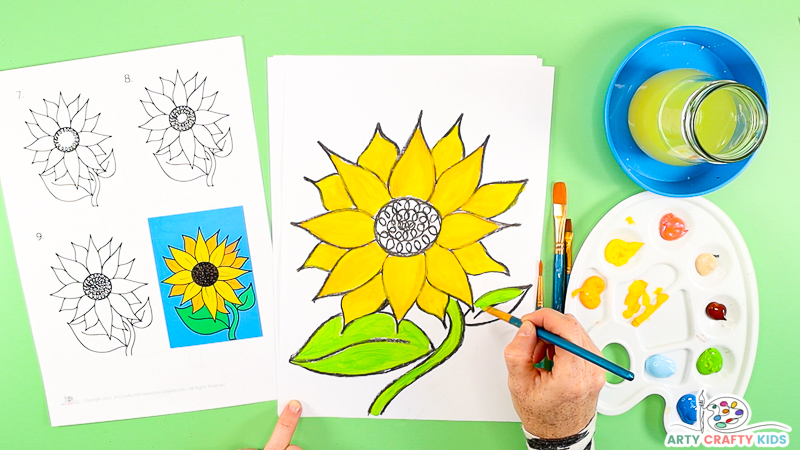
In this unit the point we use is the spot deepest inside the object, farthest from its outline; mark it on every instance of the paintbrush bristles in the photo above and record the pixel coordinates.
(541, 268)
(569, 225)
(560, 193)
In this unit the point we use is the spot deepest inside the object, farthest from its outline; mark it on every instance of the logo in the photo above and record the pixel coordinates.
(723, 421)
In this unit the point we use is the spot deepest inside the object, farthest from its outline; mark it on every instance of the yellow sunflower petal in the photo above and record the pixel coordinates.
(182, 277)
(365, 300)
(403, 278)
(192, 291)
(235, 284)
(354, 269)
(229, 273)
(475, 260)
(324, 257)
(449, 150)
(209, 297)
(173, 265)
(201, 249)
(197, 303)
(177, 289)
(239, 262)
(185, 260)
(188, 245)
(346, 228)
(414, 174)
(495, 198)
(462, 229)
(368, 192)
(226, 291)
(380, 155)
(217, 254)
(446, 274)
(458, 183)
(432, 300)
(332, 192)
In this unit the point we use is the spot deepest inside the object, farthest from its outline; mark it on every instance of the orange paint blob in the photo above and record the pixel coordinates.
(672, 227)
(590, 292)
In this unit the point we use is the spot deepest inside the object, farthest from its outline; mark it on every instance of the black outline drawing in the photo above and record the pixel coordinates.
(71, 150)
(181, 121)
(96, 279)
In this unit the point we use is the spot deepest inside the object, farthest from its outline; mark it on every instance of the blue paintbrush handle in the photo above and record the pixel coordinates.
(558, 282)
(585, 354)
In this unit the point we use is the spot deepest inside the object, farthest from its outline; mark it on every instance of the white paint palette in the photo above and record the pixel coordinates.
(680, 329)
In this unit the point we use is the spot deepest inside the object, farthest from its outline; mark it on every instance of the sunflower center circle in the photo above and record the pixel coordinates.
(97, 286)
(205, 274)
(182, 118)
(407, 226)
(66, 139)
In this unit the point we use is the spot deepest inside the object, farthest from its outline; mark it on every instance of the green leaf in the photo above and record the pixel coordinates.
(248, 299)
(499, 296)
(201, 321)
(371, 344)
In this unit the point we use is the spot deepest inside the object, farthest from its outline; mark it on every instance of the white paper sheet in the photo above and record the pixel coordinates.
(338, 101)
(165, 370)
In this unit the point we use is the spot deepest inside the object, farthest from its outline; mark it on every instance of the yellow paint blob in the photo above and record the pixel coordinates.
(590, 292)
(630, 221)
(618, 252)
(650, 308)
(635, 290)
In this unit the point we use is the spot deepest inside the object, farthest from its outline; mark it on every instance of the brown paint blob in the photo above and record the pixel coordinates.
(716, 311)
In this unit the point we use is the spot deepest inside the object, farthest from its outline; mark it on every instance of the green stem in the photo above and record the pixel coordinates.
(234, 321)
(451, 343)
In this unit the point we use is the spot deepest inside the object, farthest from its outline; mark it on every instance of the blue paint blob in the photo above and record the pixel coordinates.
(717, 417)
(659, 366)
(687, 409)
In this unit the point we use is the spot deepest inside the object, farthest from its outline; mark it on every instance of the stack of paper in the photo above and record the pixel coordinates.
(393, 211)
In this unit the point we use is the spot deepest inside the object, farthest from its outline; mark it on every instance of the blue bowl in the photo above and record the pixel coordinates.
(683, 47)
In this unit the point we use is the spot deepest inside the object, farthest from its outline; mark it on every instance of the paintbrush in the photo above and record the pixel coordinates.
(562, 343)
(559, 218)
(568, 250)
(540, 288)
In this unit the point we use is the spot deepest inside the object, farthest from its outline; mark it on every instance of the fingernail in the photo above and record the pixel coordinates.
(526, 329)
(294, 406)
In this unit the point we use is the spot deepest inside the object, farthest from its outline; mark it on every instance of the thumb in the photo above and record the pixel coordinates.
(519, 352)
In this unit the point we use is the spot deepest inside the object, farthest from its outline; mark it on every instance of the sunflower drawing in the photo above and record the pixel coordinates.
(96, 287)
(185, 128)
(402, 229)
(72, 153)
(406, 228)
(205, 272)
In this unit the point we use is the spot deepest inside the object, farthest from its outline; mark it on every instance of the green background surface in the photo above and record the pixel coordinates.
(584, 40)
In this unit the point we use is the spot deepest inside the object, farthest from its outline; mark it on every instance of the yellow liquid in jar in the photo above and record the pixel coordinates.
(655, 115)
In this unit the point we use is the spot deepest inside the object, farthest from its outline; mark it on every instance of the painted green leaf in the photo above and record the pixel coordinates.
(248, 299)
(499, 296)
(371, 344)
(201, 321)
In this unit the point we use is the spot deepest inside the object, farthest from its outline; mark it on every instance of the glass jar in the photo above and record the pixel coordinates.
(684, 117)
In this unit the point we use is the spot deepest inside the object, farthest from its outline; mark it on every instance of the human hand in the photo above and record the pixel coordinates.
(561, 402)
(281, 438)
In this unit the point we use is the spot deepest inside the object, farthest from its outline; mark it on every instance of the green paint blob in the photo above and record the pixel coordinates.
(710, 361)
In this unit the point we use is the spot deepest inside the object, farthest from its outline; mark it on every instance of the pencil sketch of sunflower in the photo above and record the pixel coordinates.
(185, 128)
(406, 227)
(205, 272)
(72, 153)
(95, 285)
